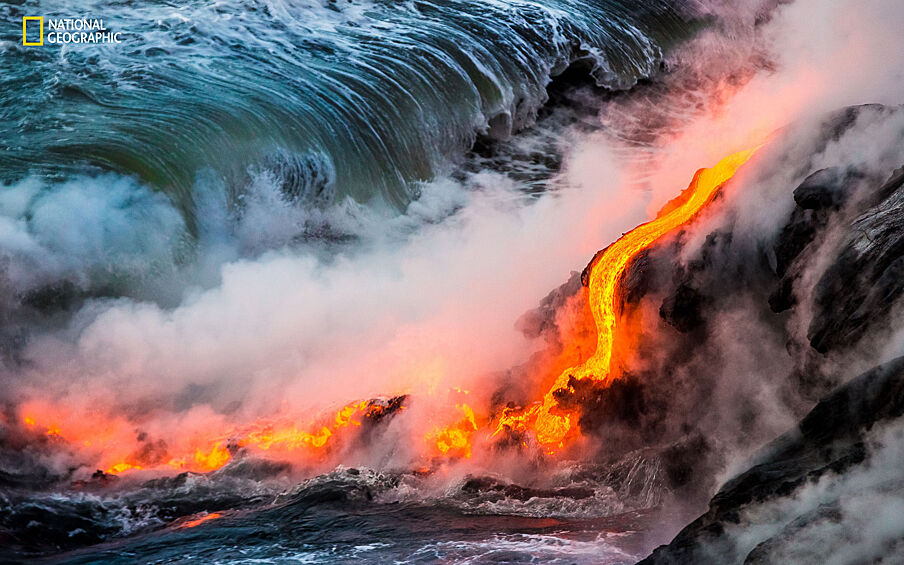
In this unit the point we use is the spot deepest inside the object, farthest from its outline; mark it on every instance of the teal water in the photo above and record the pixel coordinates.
(334, 97)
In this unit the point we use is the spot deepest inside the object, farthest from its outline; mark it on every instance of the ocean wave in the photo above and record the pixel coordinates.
(339, 98)
(321, 520)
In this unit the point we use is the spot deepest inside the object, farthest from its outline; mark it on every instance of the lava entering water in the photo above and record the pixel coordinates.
(550, 422)
(121, 450)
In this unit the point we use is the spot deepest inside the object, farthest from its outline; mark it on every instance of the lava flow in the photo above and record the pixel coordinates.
(198, 521)
(455, 440)
(120, 450)
(550, 422)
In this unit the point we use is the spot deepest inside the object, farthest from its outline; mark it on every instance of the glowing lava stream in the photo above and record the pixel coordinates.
(551, 423)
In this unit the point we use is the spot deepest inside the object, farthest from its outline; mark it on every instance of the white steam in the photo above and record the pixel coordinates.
(854, 517)
(86, 229)
(403, 310)
(254, 320)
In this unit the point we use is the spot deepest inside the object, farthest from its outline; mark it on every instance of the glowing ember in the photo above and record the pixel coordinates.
(290, 438)
(119, 449)
(122, 468)
(201, 520)
(123, 453)
(212, 460)
(550, 422)
(344, 416)
(455, 440)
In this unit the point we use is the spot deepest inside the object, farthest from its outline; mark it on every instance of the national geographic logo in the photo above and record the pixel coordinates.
(26, 26)
(67, 31)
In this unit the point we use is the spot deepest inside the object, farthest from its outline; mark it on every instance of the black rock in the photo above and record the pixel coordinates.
(829, 439)
(826, 188)
(488, 487)
(820, 194)
(763, 553)
(858, 290)
(683, 310)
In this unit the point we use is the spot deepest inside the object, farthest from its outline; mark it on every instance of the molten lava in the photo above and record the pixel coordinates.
(123, 453)
(550, 422)
(120, 448)
(198, 521)
(455, 440)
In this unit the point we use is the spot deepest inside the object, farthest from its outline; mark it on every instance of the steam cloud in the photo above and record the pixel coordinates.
(261, 315)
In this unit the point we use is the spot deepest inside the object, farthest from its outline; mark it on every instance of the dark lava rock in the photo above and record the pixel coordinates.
(762, 554)
(860, 287)
(98, 480)
(622, 401)
(252, 468)
(681, 460)
(683, 310)
(829, 439)
(379, 409)
(497, 490)
(826, 188)
(819, 196)
(798, 233)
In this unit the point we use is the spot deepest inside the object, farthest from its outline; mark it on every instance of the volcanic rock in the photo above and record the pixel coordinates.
(830, 439)
(490, 488)
(819, 196)
(860, 287)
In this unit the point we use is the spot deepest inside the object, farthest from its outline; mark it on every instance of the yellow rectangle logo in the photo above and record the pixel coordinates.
(25, 20)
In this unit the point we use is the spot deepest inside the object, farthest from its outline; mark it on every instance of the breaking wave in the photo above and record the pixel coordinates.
(360, 98)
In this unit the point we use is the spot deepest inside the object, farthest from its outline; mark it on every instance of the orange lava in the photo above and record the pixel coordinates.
(120, 448)
(122, 468)
(455, 440)
(123, 453)
(550, 422)
(201, 520)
